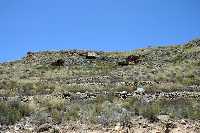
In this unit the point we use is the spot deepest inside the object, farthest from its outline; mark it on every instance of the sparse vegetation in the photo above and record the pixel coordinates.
(67, 86)
(12, 111)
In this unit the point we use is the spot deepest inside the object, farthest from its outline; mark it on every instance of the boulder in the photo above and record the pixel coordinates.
(171, 125)
(44, 127)
(118, 127)
(140, 90)
(59, 62)
(30, 54)
(133, 59)
(183, 122)
(91, 55)
(123, 63)
(163, 118)
(123, 94)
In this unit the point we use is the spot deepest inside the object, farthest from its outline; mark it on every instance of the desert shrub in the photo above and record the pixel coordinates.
(98, 111)
(89, 112)
(182, 108)
(10, 86)
(191, 80)
(95, 68)
(28, 88)
(151, 110)
(122, 88)
(112, 113)
(55, 103)
(12, 111)
(110, 98)
(35, 88)
(8, 115)
(42, 67)
(76, 88)
(163, 87)
(178, 58)
(100, 99)
(57, 115)
(72, 112)
(104, 66)
(177, 108)
(41, 117)
(129, 103)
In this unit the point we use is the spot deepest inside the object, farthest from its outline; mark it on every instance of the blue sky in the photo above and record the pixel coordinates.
(34, 25)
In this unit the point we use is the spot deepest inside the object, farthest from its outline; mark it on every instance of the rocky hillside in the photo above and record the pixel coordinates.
(145, 90)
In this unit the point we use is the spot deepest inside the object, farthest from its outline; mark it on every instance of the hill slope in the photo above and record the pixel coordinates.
(95, 87)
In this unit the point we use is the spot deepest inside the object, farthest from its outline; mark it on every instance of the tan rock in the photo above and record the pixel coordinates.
(118, 127)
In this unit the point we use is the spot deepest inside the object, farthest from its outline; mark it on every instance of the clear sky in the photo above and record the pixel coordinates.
(34, 25)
